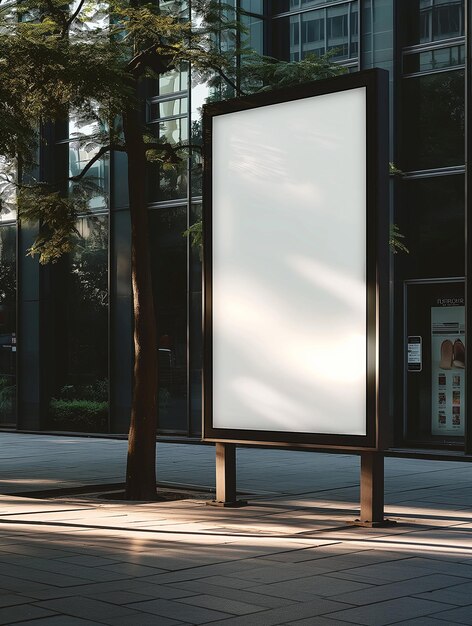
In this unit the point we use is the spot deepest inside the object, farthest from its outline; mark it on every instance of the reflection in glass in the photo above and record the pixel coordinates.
(173, 6)
(8, 177)
(433, 59)
(167, 108)
(169, 274)
(432, 20)
(253, 6)
(433, 121)
(171, 82)
(168, 181)
(282, 6)
(431, 216)
(254, 38)
(79, 397)
(330, 29)
(96, 178)
(195, 325)
(8, 325)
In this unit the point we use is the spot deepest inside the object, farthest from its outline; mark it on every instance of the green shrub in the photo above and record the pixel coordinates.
(96, 392)
(85, 415)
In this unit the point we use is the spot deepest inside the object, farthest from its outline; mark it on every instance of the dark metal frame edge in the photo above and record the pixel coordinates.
(378, 420)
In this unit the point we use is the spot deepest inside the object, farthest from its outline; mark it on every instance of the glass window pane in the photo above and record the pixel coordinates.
(253, 6)
(431, 216)
(173, 81)
(195, 327)
(79, 399)
(169, 274)
(432, 21)
(79, 127)
(435, 394)
(8, 325)
(281, 6)
(433, 59)
(173, 6)
(286, 39)
(337, 27)
(8, 177)
(96, 178)
(313, 33)
(173, 131)
(168, 181)
(432, 129)
(254, 37)
(168, 108)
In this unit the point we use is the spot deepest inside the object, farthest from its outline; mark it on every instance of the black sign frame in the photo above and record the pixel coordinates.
(378, 421)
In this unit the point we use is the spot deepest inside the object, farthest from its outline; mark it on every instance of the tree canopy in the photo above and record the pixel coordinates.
(92, 60)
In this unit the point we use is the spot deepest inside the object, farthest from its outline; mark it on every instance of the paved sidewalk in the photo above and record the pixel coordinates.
(291, 557)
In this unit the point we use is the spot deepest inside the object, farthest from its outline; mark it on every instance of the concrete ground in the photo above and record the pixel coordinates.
(292, 556)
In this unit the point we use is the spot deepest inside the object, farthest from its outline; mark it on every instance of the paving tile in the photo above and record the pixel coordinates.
(453, 568)
(60, 620)
(221, 581)
(338, 562)
(132, 569)
(303, 589)
(45, 578)
(143, 619)
(11, 583)
(13, 614)
(86, 560)
(462, 615)
(423, 621)
(13, 599)
(49, 592)
(235, 607)
(164, 592)
(87, 608)
(389, 612)
(243, 595)
(229, 569)
(271, 574)
(121, 597)
(383, 573)
(460, 595)
(50, 568)
(287, 614)
(410, 587)
(319, 621)
(179, 611)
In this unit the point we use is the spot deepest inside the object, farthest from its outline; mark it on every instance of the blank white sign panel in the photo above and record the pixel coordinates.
(289, 266)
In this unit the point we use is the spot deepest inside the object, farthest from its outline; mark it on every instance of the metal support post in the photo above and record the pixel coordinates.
(226, 476)
(372, 490)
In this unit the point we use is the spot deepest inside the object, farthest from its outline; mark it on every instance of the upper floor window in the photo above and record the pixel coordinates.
(332, 29)
(432, 20)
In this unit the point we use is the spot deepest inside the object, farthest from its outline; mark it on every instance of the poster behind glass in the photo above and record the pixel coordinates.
(448, 368)
(435, 362)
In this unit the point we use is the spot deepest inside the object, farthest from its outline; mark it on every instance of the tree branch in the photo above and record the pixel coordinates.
(230, 82)
(75, 13)
(159, 63)
(171, 151)
(103, 150)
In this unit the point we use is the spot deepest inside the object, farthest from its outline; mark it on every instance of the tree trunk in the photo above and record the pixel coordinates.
(141, 465)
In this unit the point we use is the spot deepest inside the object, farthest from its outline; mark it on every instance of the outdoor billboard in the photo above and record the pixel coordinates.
(295, 247)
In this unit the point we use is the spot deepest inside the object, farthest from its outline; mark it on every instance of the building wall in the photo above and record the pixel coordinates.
(76, 319)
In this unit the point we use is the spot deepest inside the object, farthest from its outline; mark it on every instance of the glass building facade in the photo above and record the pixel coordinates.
(72, 366)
